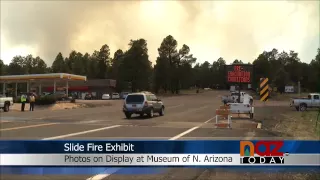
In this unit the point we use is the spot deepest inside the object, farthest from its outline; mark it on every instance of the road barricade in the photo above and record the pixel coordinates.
(223, 117)
(224, 107)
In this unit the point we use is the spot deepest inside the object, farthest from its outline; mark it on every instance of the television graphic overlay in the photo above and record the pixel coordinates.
(251, 153)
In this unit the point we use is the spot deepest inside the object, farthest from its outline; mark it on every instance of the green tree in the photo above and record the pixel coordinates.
(281, 79)
(237, 62)
(205, 73)
(17, 67)
(183, 67)
(161, 75)
(78, 66)
(3, 68)
(218, 73)
(86, 63)
(115, 63)
(262, 68)
(168, 54)
(103, 61)
(93, 65)
(70, 61)
(136, 67)
(314, 73)
(115, 70)
(38, 66)
(59, 65)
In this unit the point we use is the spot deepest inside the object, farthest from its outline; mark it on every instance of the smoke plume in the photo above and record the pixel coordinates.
(212, 29)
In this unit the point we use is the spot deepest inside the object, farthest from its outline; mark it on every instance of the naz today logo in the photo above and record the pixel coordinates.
(251, 153)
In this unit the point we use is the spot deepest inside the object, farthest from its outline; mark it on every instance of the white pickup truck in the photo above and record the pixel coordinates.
(233, 98)
(301, 104)
(5, 103)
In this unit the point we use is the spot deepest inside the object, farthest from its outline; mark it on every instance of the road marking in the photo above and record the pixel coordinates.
(113, 170)
(81, 133)
(31, 126)
(89, 122)
(189, 130)
(208, 120)
(184, 133)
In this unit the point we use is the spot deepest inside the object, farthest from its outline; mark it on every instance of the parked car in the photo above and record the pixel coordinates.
(115, 96)
(124, 95)
(142, 103)
(88, 97)
(59, 95)
(106, 96)
(301, 104)
(5, 103)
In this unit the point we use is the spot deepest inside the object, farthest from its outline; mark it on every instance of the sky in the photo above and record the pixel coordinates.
(212, 29)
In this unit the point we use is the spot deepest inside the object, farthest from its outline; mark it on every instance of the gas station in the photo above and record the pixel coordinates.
(37, 80)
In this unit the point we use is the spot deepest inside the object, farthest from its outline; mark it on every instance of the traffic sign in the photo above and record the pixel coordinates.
(264, 89)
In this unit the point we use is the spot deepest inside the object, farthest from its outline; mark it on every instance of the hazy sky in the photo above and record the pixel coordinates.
(212, 29)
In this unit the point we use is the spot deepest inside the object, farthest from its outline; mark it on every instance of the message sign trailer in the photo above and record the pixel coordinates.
(238, 74)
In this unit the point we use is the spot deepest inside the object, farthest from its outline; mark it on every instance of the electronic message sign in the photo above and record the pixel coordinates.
(239, 73)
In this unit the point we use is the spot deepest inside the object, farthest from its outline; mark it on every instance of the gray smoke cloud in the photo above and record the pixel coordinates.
(233, 30)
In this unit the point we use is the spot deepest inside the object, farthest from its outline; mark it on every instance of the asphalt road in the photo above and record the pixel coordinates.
(186, 117)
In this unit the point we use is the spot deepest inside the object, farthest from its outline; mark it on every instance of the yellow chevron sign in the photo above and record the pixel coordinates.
(264, 89)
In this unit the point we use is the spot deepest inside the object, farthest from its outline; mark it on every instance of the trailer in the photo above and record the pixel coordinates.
(242, 108)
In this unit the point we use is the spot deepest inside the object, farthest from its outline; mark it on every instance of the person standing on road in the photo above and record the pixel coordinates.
(32, 101)
(23, 100)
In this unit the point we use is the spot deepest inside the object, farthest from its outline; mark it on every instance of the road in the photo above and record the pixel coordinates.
(186, 117)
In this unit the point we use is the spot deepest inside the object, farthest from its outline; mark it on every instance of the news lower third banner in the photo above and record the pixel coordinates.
(127, 160)
(159, 153)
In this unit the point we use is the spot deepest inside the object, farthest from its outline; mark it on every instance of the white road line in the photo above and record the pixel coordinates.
(184, 133)
(189, 130)
(90, 121)
(208, 120)
(82, 132)
(113, 170)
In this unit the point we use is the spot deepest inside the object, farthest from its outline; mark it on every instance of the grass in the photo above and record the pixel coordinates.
(314, 118)
(286, 97)
(286, 123)
(299, 125)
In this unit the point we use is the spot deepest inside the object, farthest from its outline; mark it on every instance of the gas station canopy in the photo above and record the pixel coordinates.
(40, 78)
(30, 77)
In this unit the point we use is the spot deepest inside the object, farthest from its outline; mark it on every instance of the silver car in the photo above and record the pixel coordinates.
(142, 103)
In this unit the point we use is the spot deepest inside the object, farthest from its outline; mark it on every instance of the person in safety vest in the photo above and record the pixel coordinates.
(23, 100)
(32, 100)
